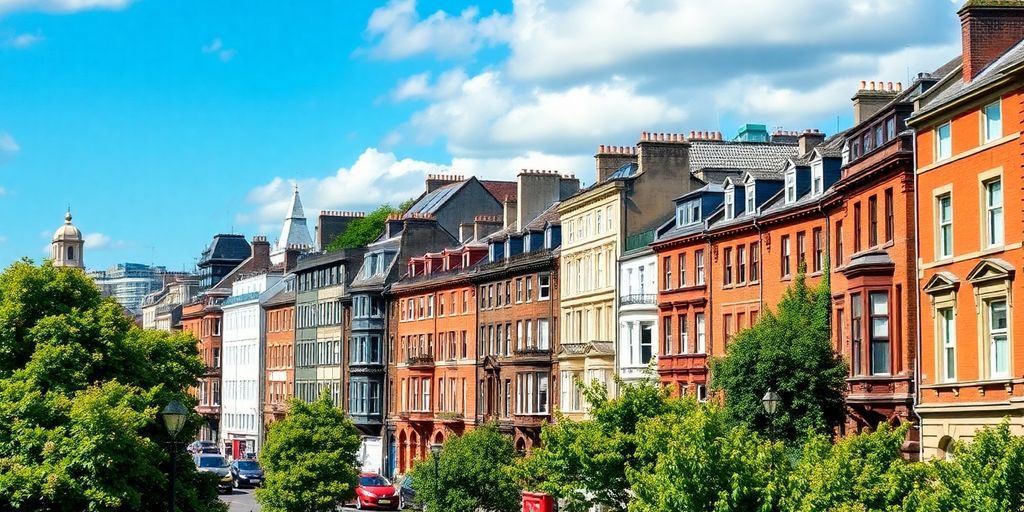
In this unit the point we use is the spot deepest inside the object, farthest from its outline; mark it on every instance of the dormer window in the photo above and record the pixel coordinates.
(749, 190)
(846, 153)
(688, 213)
(817, 178)
(465, 260)
(730, 206)
(790, 186)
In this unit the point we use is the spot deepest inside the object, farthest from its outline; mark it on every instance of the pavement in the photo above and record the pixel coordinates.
(244, 500)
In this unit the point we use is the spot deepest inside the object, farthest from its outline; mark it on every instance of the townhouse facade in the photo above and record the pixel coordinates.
(278, 304)
(242, 377)
(204, 319)
(968, 151)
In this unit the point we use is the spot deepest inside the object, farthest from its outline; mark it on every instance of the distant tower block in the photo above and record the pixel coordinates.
(66, 246)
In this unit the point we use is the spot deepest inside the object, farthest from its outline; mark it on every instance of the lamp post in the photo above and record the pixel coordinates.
(435, 451)
(174, 416)
(771, 401)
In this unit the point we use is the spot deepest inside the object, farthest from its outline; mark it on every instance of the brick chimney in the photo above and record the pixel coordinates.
(484, 225)
(510, 210)
(538, 190)
(610, 158)
(809, 140)
(436, 181)
(870, 98)
(291, 257)
(260, 253)
(989, 28)
(668, 152)
(394, 225)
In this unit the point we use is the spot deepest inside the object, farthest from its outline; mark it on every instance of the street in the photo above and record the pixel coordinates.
(244, 500)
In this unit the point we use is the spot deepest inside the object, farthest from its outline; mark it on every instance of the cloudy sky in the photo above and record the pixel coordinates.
(164, 122)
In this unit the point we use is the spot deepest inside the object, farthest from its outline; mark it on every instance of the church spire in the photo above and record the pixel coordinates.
(294, 232)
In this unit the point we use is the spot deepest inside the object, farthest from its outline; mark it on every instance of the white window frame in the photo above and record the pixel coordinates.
(994, 221)
(993, 336)
(790, 186)
(943, 145)
(730, 200)
(817, 178)
(942, 222)
(701, 347)
(947, 334)
(698, 263)
(991, 131)
(750, 199)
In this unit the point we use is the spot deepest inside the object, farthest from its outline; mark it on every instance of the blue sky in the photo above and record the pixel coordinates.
(164, 122)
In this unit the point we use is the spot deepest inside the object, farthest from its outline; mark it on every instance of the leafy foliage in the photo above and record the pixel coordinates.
(986, 474)
(586, 462)
(80, 392)
(473, 473)
(309, 459)
(702, 463)
(365, 230)
(789, 351)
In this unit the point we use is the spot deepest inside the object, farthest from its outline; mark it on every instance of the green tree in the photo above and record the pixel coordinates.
(585, 462)
(80, 392)
(474, 472)
(789, 351)
(985, 474)
(859, 472)
(702, 462)
(310, 459)
(365, 230)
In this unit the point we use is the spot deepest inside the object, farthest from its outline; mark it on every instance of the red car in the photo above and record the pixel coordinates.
(376, 492)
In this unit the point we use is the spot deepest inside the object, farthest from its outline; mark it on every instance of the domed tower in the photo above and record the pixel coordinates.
(66, 246)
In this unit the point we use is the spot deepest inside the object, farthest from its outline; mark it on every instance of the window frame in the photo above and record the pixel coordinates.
(987, 135)
(943, 237)
(943, 145)
(994, 236)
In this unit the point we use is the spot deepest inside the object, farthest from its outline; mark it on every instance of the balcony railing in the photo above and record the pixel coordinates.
(420, 361)
(639, 240)
(637, 298)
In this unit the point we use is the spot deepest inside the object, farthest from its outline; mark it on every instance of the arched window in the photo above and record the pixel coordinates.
(71, 252)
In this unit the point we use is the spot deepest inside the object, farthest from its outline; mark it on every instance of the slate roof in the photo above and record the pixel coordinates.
(542, 220)
(432, 201)
(738, 155)
(228, 247)
(294, 231)
(957, 88)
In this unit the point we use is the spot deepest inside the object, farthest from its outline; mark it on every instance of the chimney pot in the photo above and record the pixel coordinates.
(863, 85)
(899, 86)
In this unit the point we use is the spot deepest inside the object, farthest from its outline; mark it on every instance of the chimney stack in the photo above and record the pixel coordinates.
(331, 223)
(989, 28)
(808, 140)
(510, 209)
(611, 158)
(436, 181)
(394, 225)
(260, 252)
(871, 97)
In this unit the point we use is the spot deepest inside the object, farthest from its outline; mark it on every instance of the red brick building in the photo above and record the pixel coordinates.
(969, 183)
(435, 375)
(204, 319)
(279, 352)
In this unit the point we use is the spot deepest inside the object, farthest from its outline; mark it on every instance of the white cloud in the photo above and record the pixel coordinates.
(3, 191)
(60, 6)
(22, 41)
(379, 177)
(217, 48)
(376, 177)
(8, 147)
(101, 242)
(399, 32)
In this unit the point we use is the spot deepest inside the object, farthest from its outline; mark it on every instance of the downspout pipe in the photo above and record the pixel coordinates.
(760, 270)
(916, 395)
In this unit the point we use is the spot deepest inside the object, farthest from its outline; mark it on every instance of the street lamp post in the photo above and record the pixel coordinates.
(435, 451)
(771, 401)
(174, 416)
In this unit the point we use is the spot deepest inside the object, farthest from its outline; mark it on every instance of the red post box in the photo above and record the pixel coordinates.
(537, 502)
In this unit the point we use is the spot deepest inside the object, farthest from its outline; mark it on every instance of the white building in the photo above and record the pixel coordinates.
(242, 371)
(638, 315)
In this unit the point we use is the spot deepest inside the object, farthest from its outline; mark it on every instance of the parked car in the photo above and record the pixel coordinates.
(203, 447)
(407, 494)
(217, 465)
(376, 492)
(246, 473)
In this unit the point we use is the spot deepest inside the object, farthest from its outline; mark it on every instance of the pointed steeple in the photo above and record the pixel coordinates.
(294, 232)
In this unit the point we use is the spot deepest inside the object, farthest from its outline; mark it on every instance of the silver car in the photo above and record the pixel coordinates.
(216, 464)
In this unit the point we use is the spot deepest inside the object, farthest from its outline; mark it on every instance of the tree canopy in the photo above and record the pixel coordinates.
(80, 391)
(473, 473)
(365, 230)
(789, 351)
(310, 459)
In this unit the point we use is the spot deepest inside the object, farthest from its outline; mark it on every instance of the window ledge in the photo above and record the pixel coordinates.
(969, 383)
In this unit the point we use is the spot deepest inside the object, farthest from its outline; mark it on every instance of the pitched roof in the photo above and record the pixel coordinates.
(738, 155)
(434, 200)
(501, 189)
(294, 231)
(226, 247)
(958, 88)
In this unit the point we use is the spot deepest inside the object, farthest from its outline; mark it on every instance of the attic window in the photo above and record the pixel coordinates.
(817, 178)
(688, 213)
(465, 260)
(846, 153)
(790, 186)
(730, 200)
(749, 190)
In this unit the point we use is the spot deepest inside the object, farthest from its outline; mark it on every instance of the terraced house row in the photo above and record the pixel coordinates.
(492, 300)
